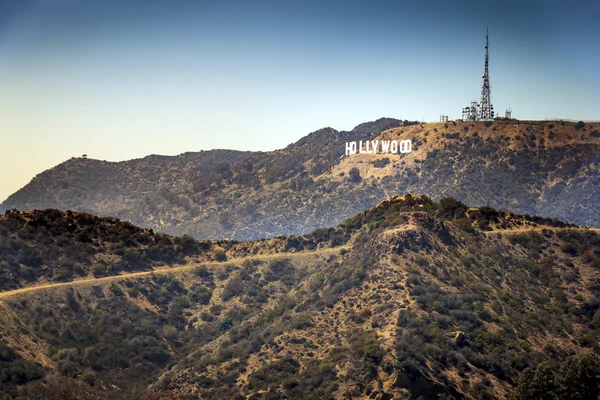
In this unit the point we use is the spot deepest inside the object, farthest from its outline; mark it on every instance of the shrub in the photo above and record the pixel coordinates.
(188, 244)
(30, 256)
(568, 248)
(354, 174)
(224, 324)
(273, 373)
(451, 208)
(134, 256)
(381, 162)
(114, 289)
(220, 255)
(170, 332)
(234, 287)
(200, 294)
(98, 269)
(202, 272)
(280, 270)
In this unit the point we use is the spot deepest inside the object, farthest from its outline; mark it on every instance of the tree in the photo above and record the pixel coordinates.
(135, 257)
(580, 377)
(354, 175)
(544, 381)
(577, 379)
(451, 208)
(188, 244)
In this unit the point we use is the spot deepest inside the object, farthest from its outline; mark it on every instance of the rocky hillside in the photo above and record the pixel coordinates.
(545, 168)
(410, 299)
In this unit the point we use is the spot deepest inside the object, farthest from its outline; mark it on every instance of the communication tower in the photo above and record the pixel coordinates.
(482, 110)
(486, 109)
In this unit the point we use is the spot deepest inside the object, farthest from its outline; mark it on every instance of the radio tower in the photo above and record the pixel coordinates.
(486, 109)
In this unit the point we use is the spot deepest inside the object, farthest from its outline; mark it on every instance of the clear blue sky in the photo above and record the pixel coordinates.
(123, 79)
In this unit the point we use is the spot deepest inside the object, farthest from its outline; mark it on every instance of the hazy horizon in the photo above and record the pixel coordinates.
(122, 81)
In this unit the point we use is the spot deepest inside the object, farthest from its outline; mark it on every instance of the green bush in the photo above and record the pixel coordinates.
(224, 324)
(450, 208)
(272, 374)
(234, 287)
(98, 269)
(381, 162)
(200, 294)
(220, 255)
(354, 175)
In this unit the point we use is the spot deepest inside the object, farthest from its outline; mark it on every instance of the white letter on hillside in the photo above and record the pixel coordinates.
(374, 144)
(394, 146)
(350, 148)
(405, 146)
(385, 146)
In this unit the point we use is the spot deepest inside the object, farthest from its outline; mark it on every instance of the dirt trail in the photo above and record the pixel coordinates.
(539, 228)
(167, 270)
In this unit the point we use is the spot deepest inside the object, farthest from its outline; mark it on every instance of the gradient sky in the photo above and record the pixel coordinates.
(123, 79)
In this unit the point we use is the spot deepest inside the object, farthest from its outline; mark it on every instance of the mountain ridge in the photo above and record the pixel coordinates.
(531, 168)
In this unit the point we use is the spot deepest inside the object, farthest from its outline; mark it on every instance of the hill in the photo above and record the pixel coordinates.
(409, 298)
(53, 247)
(186, 194)
(115, 188)
(541, 168)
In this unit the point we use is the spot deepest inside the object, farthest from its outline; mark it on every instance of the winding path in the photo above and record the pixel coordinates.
(95, 281)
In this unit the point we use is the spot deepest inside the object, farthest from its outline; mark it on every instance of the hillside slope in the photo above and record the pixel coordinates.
(546, 168)
(410, 298)
(111, 188)
(52, 246)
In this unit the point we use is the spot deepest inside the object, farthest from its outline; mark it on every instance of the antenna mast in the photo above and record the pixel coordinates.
(486, 110)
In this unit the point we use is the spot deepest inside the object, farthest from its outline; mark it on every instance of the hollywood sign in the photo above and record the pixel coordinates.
(379, 147)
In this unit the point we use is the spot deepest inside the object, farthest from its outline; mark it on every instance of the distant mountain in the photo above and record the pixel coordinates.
(409, 299)
(543, 168)
(112, 188)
